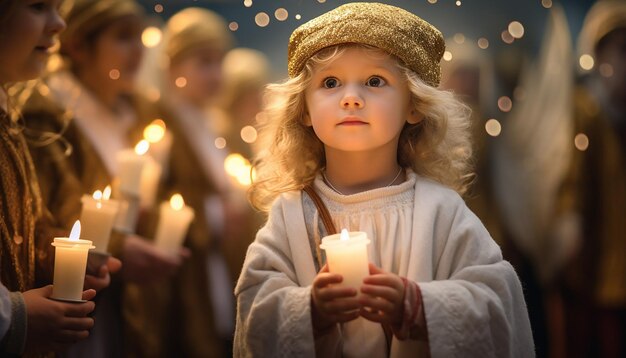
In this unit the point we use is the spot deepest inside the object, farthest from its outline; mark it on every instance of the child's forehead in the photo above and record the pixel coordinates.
(353, 55)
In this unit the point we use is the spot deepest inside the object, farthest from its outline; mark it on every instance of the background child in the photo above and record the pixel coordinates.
(29, 321)
(91, 101)
(360, 120)
(187, 70)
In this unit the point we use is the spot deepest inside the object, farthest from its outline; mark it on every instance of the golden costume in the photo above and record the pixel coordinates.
(20, 206)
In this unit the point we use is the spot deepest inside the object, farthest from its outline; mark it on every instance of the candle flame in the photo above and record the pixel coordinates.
(177, 202)
(344, 235)
(106, 194)
(97, 195)
(142, 147)
(239, 168)
(75, 233)
(155, 131)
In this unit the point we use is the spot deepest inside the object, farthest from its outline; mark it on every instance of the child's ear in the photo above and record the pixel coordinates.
(415, 117)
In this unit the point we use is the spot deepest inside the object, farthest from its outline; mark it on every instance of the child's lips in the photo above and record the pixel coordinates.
(43, 48)
(352, 121)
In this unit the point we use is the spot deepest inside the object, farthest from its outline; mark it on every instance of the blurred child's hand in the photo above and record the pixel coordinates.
(103, 279)
(54, 325)
(145, 263)
(383, 297)
(331, 304)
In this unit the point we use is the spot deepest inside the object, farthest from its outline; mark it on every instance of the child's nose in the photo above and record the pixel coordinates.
(56, 24)
(351, 99)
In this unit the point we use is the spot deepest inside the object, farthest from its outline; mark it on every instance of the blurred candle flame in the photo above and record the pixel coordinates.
(75, 233)
(155, 131)
(106, 194)
(142, 147)
(177, 202)
(344, 235)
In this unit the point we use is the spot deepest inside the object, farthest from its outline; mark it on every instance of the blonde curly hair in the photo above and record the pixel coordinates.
(438, 147)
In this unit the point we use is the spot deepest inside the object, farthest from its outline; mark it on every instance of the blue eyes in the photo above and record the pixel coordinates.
(374, 81)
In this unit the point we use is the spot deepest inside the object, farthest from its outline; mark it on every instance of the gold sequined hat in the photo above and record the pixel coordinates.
(394, 30)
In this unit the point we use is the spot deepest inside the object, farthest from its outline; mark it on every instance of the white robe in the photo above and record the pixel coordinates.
(419, 229)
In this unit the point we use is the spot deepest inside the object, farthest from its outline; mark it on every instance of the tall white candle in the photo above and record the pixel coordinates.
(150, 177)
(131, 163)
(97, 218)
(160, 142)
(346, 254)
(70, 262)
(174, 220)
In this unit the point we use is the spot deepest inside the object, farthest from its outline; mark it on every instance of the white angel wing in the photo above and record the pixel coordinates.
(534, 150)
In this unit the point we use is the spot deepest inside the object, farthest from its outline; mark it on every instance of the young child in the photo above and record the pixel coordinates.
(30, 322)
(361, 122)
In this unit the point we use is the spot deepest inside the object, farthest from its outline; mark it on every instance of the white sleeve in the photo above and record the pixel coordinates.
(273, 311)
(5, 310)
(475, 306)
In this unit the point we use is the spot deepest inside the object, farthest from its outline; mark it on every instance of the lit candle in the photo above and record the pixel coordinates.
(131, 164)
(97, 218)
(174, 220)
(160, 142)
(150, 177)
(346, 254)
(70, 262)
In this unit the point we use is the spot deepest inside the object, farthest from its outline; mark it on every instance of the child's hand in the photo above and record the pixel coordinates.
(383, 297)
(54, 325)
(103, 278)
(331, 304)
(146, 263)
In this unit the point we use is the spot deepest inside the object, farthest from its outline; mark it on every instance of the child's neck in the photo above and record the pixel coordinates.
(357, 172)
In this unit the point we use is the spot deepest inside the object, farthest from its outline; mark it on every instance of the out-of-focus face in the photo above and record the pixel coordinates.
(198, 76)
(27, 38)
(114, 58)
(612, 55)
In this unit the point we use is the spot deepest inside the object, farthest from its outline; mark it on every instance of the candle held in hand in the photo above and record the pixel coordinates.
(346, 254)
(70, 262)
(174, 220)
(97, 218)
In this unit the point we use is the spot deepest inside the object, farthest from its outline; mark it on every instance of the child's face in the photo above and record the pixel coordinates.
(359, 102)
(202, 70)
(115, 56)
(27, 38)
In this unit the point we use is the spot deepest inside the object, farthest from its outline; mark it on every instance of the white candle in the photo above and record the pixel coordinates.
(346, 254)
(131, 164)
(174, 220)
(150, 177)
(160, 142)
(97, 218)
(70, 262)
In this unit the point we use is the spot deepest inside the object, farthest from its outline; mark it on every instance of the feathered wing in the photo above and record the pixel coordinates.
(532, 155)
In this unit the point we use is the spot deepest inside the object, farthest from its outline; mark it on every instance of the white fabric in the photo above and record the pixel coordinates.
(420, 230)
(107, 131)
(5, 310)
